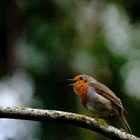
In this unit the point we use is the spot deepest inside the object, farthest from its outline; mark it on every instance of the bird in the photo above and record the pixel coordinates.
(99, 99)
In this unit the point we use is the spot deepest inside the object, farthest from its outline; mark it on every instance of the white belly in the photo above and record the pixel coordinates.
(97, 103)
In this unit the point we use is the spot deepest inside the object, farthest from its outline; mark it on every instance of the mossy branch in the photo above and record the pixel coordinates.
(83, 121)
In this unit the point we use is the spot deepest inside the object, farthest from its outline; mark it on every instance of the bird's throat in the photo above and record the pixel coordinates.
(81, 90)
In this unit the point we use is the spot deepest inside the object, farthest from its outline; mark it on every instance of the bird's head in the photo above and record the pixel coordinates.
(84, 78)
(80, 82)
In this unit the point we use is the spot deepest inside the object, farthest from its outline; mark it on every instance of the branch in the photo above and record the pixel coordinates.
(83, 121)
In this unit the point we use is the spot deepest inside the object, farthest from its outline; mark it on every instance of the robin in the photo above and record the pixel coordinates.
(99, 99)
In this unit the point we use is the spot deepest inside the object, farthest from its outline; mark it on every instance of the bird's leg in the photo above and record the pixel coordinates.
(99, 120)
(102, 121)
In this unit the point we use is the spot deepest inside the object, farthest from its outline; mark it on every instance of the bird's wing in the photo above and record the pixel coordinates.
(107, 93)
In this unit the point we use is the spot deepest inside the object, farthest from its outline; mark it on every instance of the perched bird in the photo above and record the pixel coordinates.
(99, 99)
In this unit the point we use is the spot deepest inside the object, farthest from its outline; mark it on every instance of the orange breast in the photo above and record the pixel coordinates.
(80, 87)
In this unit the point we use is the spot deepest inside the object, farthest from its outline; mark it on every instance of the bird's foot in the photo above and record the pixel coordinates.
(101, 121)
(123, 130)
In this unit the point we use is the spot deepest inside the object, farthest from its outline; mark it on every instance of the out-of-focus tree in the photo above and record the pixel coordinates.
(54, 40)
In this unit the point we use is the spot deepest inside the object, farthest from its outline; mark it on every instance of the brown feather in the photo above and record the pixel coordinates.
(107, 93)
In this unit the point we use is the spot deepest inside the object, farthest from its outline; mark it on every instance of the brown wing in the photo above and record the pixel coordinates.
(107, 93)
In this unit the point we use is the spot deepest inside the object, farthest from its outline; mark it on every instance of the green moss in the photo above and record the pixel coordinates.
(101, 121)
(21, 107)
(80, 117)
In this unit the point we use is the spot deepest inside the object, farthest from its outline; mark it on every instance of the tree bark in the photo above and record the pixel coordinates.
(25, 113)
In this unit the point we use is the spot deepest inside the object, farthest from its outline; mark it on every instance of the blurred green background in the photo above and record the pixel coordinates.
(45, 42)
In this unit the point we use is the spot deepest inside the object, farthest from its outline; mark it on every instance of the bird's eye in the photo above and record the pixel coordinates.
(81, 78)
(85, 81)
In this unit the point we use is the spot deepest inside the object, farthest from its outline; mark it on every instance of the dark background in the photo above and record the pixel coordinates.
(43, 43)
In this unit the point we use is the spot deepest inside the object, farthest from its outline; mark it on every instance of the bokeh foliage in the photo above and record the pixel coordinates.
(56, 40)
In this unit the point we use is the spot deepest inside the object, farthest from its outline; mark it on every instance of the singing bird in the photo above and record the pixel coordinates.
(99, 99)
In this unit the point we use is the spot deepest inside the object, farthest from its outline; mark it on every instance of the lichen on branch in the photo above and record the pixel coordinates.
(25, 113)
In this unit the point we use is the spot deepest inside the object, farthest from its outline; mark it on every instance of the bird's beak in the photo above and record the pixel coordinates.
(71, 80)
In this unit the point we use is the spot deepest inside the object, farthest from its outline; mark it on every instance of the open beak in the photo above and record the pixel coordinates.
(71, 80)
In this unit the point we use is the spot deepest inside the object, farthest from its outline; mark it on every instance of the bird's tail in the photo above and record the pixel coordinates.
(125, 123)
